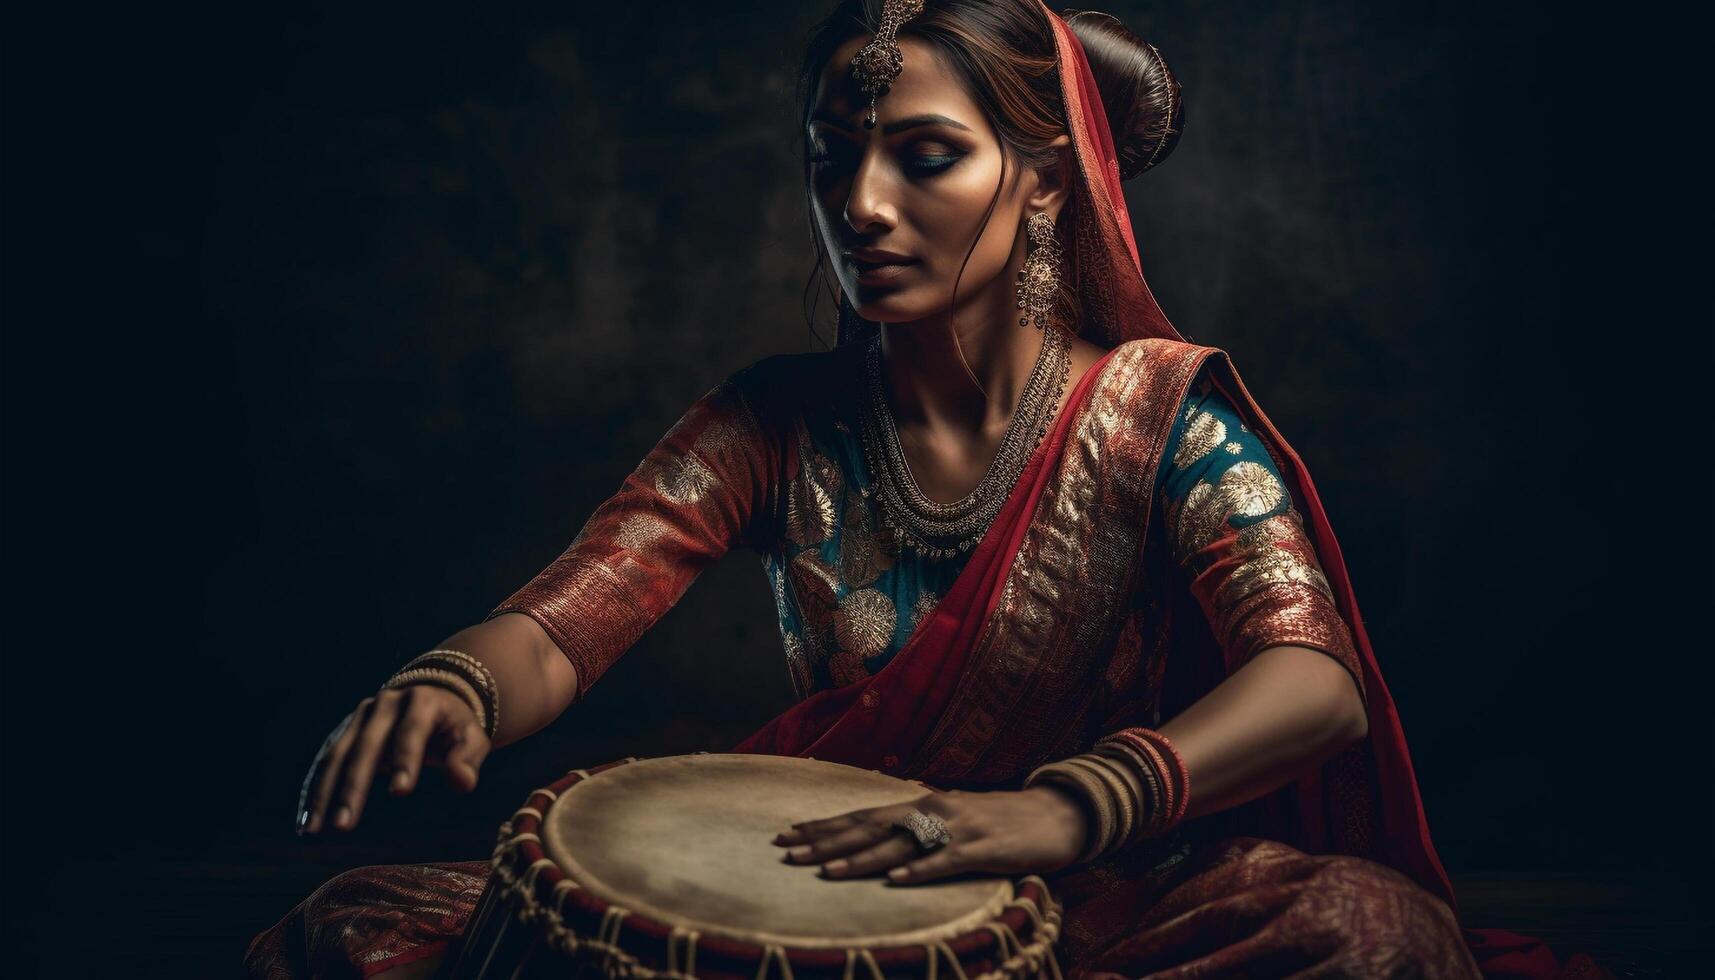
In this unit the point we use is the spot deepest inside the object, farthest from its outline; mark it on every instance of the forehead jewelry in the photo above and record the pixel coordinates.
(878, 63)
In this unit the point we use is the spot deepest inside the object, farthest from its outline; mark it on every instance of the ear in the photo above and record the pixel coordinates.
(1054, 183)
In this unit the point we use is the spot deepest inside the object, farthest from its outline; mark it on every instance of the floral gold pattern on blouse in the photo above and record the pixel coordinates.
(817, 587)
(810, 502)
(923, 609)
(1276, 552)
(1242, 544)
(863, 626)
(1206, 432)
(682, 480)
(1194, 521)
(1249, 489)
(864, 554)
(641, 531)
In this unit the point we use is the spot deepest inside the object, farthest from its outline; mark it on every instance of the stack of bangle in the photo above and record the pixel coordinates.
(459, 673)
(1133, 783)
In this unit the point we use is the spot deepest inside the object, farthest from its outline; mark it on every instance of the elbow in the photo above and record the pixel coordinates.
(1347, 719)
(1352, 717)
(1360, 724)
(1334, 700)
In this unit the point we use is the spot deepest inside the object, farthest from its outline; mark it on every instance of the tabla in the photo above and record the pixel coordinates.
(665, 867)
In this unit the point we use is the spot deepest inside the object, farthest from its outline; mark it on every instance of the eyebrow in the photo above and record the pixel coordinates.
(897, 126)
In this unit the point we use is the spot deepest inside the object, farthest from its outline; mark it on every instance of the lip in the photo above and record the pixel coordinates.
(876, 265)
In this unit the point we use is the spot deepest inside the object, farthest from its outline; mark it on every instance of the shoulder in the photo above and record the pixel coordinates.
(1210, 443)
(1143, 382)
(1160, 350)
(1156, 368)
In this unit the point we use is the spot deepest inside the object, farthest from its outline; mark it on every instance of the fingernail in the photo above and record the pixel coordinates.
(303, 821)
(899, 874)
(833, 868)
(799, 853)
(400, 778)
(342, 818)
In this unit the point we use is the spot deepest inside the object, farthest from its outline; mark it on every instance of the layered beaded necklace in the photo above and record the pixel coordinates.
(938, 530)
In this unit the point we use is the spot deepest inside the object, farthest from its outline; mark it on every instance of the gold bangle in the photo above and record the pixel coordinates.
(480, 668)
(444, 679)
(1125, 795)
(1141, 777)
(474, 671)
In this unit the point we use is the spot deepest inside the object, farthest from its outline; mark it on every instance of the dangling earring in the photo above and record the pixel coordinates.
(1039, 280)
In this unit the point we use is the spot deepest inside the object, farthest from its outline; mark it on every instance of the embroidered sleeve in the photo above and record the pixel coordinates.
(687, 503)
(1235, 532)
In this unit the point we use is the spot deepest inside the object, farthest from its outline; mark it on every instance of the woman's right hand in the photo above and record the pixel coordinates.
(397, 732)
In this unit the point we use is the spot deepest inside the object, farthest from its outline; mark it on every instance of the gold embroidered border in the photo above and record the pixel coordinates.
(1038, 658)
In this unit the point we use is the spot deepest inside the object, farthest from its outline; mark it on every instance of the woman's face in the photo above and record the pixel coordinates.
(916, 186)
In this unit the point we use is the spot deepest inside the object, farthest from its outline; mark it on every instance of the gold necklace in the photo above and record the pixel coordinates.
(943, 530)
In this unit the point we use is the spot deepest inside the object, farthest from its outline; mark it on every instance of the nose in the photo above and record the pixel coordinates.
(867, 207)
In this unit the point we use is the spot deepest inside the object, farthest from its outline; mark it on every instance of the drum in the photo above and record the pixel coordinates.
(665, 867)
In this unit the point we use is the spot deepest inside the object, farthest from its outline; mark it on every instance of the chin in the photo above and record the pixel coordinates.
(896, 306)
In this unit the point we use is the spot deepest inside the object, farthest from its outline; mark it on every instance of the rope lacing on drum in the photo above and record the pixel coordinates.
(558, 934)
(933, 952)
(689, 936)
(607, 935)
(853, 955)
(769, 954)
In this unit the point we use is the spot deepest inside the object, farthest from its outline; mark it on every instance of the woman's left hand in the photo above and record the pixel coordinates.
(1037, 830)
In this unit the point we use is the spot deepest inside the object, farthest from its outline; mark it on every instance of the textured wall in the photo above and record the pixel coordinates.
(349, 319)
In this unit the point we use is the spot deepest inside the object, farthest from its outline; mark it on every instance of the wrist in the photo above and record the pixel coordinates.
(460, 673)
(1069, 810)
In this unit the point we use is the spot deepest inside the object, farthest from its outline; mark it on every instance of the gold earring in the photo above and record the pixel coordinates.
(1039, 280)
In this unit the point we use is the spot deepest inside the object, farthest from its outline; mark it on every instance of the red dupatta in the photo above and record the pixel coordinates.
(876, 722)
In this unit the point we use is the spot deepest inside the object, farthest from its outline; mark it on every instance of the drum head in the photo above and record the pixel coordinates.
(687, 840)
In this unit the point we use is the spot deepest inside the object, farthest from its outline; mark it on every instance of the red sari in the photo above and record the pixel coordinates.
(1066, 605)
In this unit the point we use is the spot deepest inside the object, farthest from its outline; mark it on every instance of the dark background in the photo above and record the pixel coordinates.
(327, 328)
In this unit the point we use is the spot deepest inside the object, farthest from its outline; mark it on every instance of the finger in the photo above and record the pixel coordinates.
(949, 859)
(893, 851)
(810, 830)
(411, 737)
(328, 762)
(464, 759)
(359, 772)
(848, 841)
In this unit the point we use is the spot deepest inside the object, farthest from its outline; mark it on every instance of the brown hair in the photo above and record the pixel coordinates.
(1003, 51)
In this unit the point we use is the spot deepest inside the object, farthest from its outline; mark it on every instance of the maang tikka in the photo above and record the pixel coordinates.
(1039, 280)
(878, 63)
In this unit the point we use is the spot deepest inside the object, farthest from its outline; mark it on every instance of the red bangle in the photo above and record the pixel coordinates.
(1172, 775)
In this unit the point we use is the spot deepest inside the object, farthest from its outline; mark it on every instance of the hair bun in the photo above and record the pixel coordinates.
(1140, 94)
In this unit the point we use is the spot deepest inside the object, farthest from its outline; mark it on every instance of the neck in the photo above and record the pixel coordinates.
(930, 385)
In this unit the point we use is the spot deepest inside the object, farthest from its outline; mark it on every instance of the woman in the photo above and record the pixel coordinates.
(1060, 566)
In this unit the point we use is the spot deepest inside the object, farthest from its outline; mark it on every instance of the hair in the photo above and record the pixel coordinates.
(1004, 53)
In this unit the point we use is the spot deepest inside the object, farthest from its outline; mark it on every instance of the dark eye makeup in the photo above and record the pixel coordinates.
(839, 151)
(926, 163)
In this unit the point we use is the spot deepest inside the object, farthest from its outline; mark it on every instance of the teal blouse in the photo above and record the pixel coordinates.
(899, 589)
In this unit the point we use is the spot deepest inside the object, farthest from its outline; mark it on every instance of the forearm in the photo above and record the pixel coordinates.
(534, 679)
(1279, 716)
